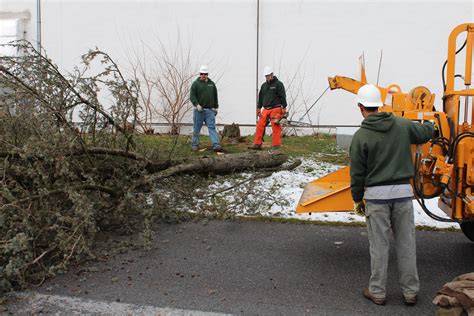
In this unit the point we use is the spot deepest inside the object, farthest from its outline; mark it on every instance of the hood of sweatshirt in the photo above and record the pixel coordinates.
(381, 122)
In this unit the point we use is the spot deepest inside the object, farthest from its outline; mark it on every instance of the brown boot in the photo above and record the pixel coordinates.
(376, 300)
(410, 300)
(255, 147)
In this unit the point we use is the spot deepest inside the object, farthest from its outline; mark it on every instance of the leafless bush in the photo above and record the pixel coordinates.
(165, 75)
(301, 94)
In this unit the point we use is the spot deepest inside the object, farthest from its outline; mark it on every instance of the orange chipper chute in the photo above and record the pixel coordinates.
(331, 193)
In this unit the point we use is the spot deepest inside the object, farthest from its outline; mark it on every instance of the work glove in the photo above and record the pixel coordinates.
(284, 117)
(215, 111)
(434, 124)
(199, 108)
(359, 208)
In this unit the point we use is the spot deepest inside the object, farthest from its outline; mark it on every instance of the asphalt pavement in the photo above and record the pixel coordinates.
(251, 268)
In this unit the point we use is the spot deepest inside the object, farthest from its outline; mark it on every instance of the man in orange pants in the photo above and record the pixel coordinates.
(272, 98)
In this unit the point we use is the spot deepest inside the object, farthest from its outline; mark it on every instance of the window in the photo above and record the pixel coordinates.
(10, 30)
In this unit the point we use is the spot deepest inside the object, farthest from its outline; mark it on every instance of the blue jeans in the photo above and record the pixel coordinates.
(206, 116)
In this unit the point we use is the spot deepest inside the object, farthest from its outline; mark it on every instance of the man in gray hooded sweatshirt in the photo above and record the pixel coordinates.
(381, 168)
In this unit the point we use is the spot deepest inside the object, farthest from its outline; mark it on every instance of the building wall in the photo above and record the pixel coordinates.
(305, 41)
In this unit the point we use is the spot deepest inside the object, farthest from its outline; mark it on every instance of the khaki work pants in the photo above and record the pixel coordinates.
(382, 220)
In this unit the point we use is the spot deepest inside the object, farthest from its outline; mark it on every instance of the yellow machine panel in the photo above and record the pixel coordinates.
(327, 194)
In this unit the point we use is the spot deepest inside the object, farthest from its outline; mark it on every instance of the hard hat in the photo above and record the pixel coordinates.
(203, 69)
(267, 70)
(369, 96)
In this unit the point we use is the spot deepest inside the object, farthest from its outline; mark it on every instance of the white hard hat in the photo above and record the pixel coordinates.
(203, 69)
(267, 70)
(369, 96)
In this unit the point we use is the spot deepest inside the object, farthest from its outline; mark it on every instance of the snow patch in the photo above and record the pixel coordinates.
(284, 189)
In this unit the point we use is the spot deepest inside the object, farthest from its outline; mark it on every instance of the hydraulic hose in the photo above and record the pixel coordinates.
(439, 125)
(446, 62)
(421, 201)
(419, 190)
(452, 157)
(452, 154)
(419, 195)
(443, 143)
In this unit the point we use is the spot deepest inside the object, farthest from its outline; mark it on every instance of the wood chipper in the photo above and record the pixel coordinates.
(444, 167)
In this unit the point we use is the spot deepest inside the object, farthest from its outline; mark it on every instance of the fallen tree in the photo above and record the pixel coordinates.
(223, 164)
(62, 183)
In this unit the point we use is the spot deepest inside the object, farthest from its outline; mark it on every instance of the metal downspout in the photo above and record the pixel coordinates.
(38, 25)
(257, 59)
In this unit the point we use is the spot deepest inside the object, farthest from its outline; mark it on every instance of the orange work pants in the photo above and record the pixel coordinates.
(273, 114)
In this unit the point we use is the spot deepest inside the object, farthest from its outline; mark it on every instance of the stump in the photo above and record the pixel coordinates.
(232, 132)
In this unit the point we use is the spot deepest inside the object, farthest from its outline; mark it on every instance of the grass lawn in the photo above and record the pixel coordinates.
(320, 147)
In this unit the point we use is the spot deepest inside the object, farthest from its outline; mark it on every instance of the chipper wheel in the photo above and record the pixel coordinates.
(468, 230)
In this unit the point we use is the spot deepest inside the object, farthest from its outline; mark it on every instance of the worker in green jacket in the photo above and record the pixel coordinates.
(381, 168)
(203, 96)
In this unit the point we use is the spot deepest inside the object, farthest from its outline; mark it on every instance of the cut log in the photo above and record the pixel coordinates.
(223, 164)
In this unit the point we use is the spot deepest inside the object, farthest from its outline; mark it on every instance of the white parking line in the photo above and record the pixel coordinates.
(32, 302)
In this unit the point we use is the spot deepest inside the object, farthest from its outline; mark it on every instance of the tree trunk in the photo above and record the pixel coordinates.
(223, 164)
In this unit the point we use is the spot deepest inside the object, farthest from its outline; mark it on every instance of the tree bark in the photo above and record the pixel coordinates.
(222, 164)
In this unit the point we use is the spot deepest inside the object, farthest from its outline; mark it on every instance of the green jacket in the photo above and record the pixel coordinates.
(204, 93)
(381, 151)
(272, 94)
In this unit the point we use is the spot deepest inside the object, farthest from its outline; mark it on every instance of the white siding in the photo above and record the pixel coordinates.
(312, 39)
